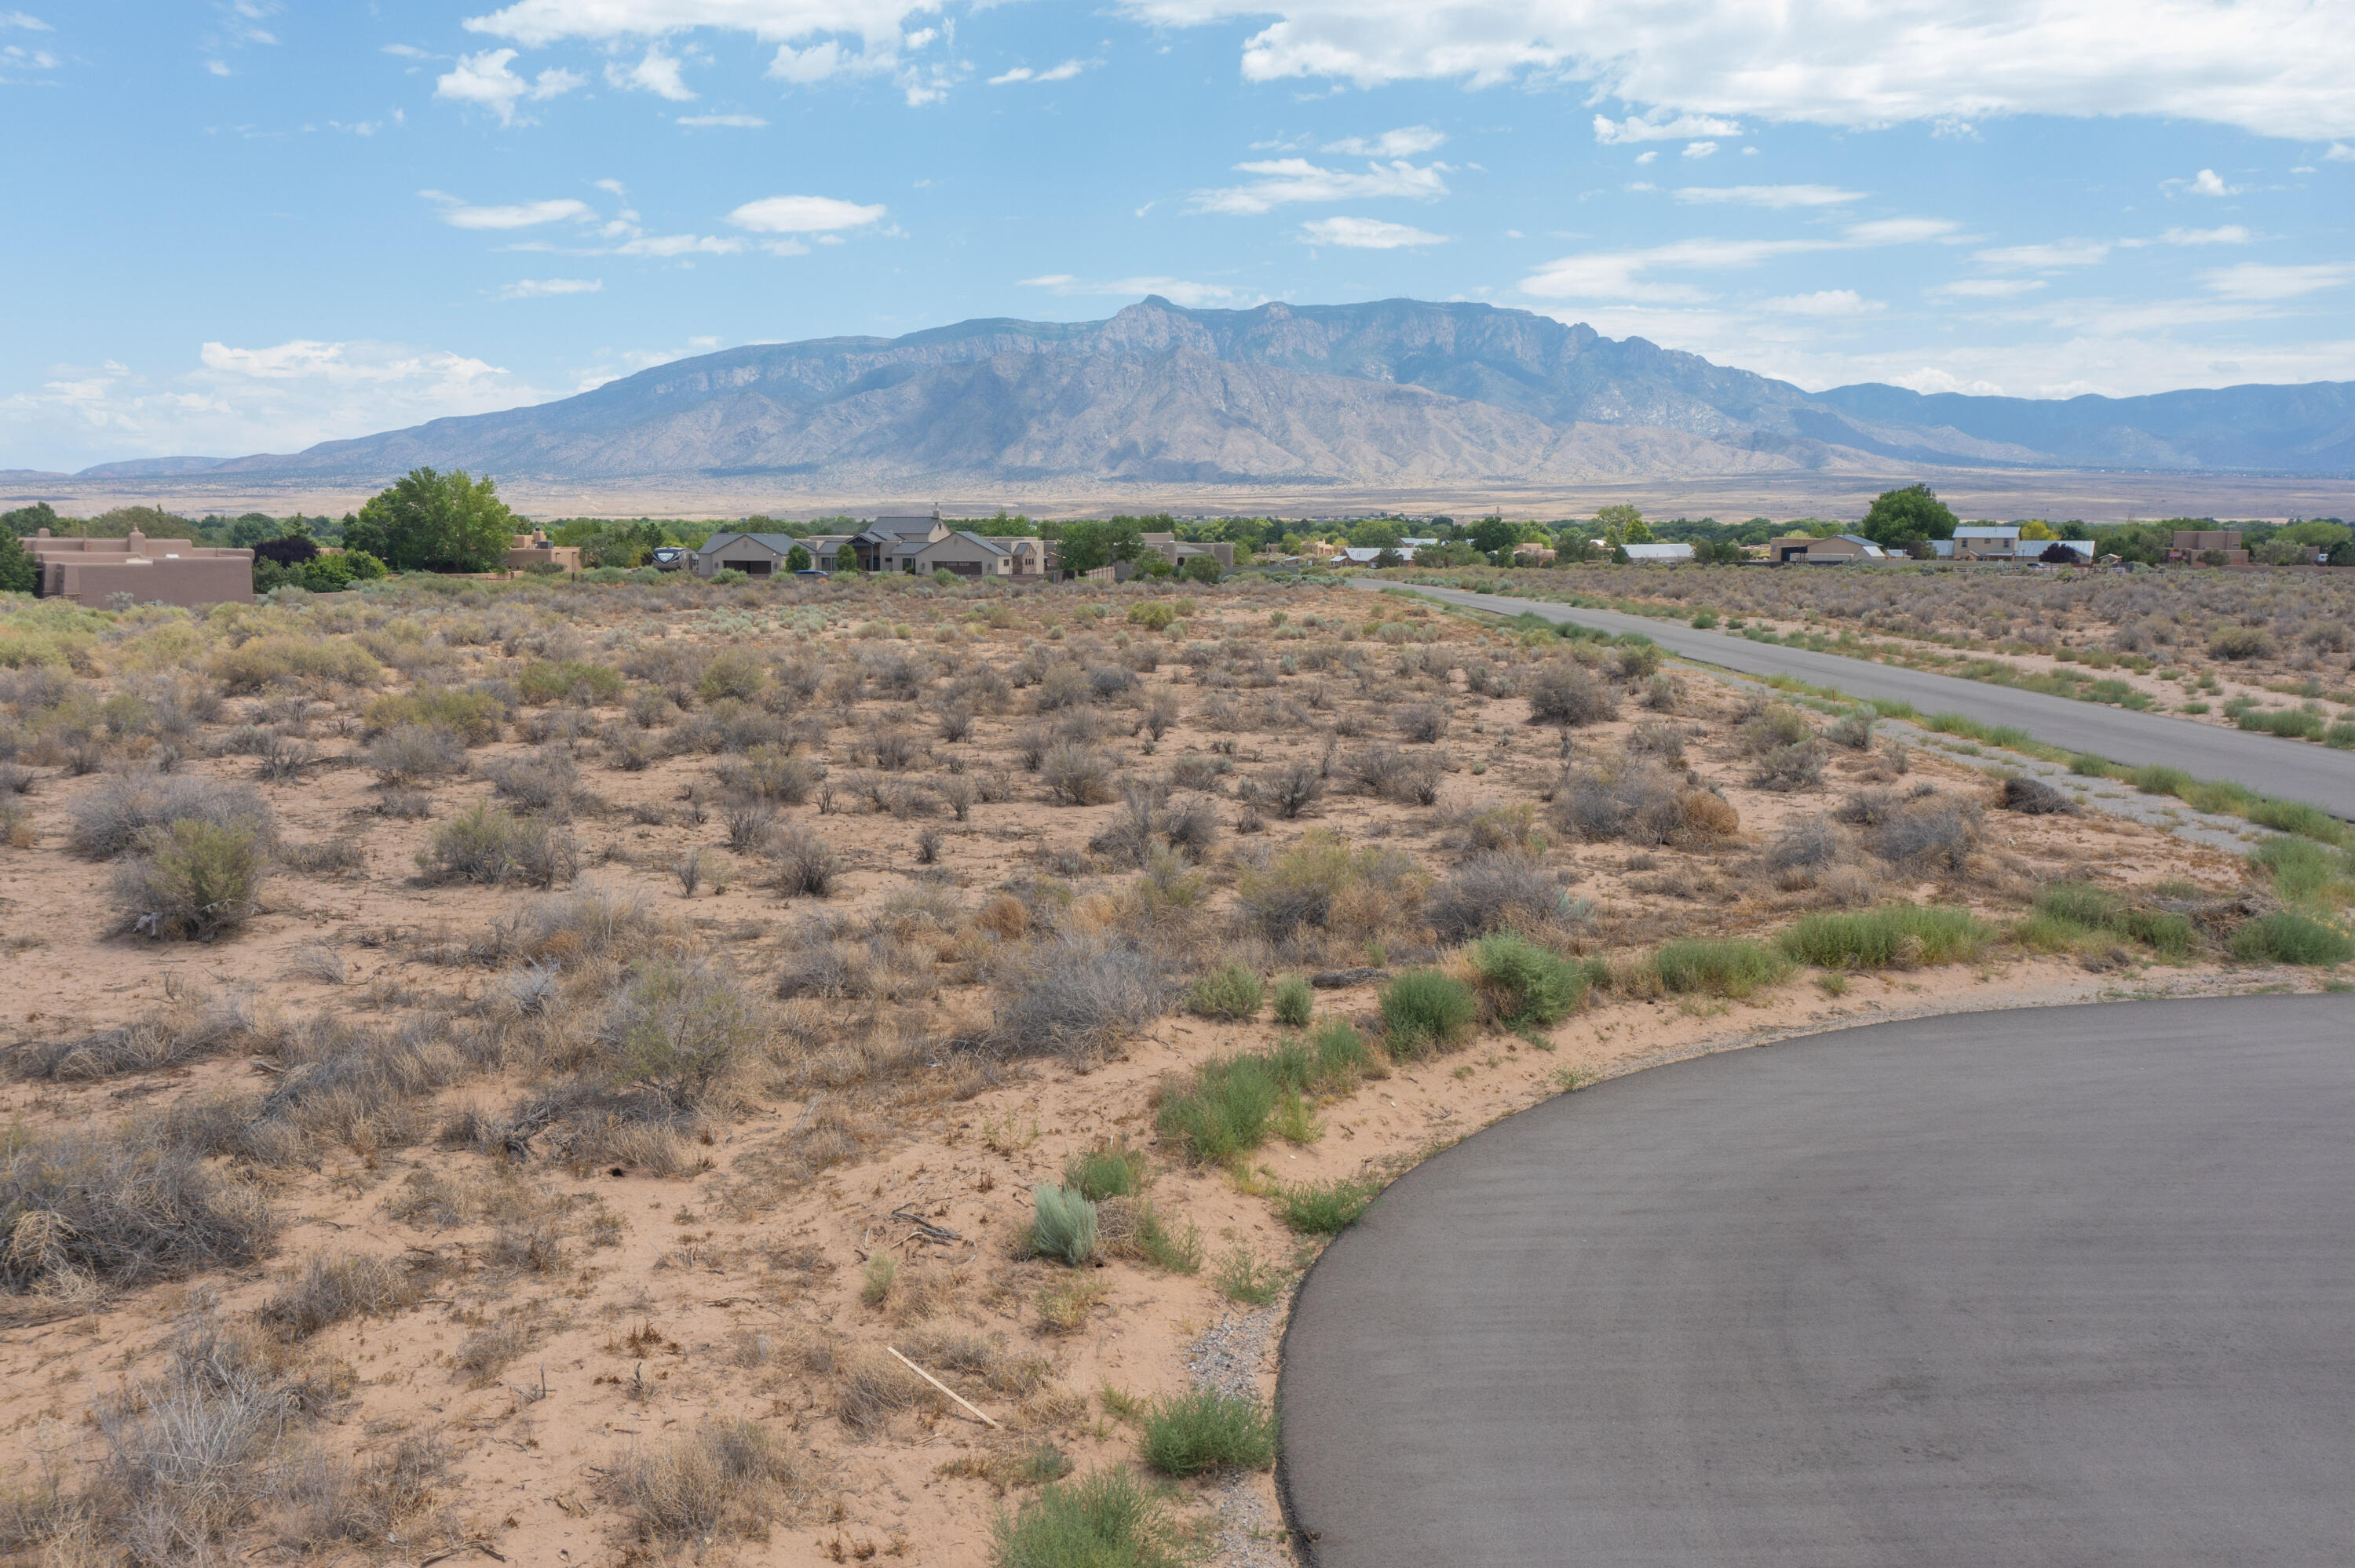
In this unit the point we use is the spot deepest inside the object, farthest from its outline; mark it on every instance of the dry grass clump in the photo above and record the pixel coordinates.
(1075, 774)
(1564, 693)
(675, 1033)
(873, 1387)
(485, 844)
(409, 752)
(1075, 996)
(326, 1290)
(98, 1209)
(111, 818)
(547, 780)
(1498, 891)
(1322, 886)
(209, 1024)
(723, 1477)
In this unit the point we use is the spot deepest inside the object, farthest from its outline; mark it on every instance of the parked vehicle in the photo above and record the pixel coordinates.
(812, 572)
(671, 557)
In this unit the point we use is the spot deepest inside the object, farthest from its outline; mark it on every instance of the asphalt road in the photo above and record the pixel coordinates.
(2295, 770)
(2053, 1287)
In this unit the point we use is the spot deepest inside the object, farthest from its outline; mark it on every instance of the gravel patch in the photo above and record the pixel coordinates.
(1229, 1356)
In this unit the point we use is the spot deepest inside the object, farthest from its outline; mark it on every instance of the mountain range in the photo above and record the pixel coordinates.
(1393, 392)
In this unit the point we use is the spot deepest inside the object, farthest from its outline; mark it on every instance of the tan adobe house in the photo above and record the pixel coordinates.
(1178, 551)
(2191, 544)
(534, 549)
(160, 571)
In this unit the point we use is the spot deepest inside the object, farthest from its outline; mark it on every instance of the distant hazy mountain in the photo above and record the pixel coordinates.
(1394, 392)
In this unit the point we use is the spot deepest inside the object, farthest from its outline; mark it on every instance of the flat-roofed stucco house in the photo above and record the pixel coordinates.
(534, 550)
(152, 571)
(2191, 544)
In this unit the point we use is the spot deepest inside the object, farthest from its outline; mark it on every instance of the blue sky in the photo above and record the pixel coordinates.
(249, 225)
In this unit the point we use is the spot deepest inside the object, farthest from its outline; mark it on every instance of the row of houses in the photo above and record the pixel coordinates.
(920, 544)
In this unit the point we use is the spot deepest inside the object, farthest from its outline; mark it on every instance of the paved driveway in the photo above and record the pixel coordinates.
(2055, 1287)
(2295, 770)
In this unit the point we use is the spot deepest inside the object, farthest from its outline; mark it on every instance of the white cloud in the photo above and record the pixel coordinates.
(236, 400)
(407, 52)
(1063, 72)
(1177, 291)
(1824, 302)
(16, 57)
(1626, 275)
(1283, 180)
(1662, 126)
(2231, 234)
(1900, 230)
(1647, 157)
(1988, 288)
(2339, 153)
(1406, 141)
(1367, 233)
(521, 215)
(657, 73)
(24, 20)
(2044, 258)
(803, 215)
(1701, 149)
(1770, 196)
(732, 121)
(2275, 67)
(551, 288)
(2206, 183)
(484, 79)
(680, 245)
(2258, 280)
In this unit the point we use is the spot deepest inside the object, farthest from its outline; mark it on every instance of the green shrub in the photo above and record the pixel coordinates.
(2160, 779)
(1180, 1252)
(1339, 1056)
(1727, 967)
(191, 880)
(1324, 1208)
(675, 1031)
(1096, 1174)
(2340, 735)
(1423, 1009)
(1230, 990)
(2288, 723)
(1243, 1278)
(475, 716)
(1064, 1225)
(1110, 1519)
(2284, 937)
(1897, 936)
(2298, 868)
(557, 680)
(1295, 1002)
(1531, 984)
(1194, 1434)
(1225, 1111)
(733, 673)
(2290, 817)
(729, 577)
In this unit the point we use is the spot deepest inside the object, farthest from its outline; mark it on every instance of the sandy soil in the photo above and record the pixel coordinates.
(737, 1289)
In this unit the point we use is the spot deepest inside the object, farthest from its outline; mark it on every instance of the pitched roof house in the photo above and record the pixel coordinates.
(754, 555)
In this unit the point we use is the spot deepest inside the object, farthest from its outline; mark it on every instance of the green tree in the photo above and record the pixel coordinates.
(1492, 535)
(1902, 516)
(436, 523)
(27, 521)
(252, 529)
(1623, 523)
(1202, 569)
(17, 572)
(845, 559)
(1086, 544)
(1375, 534)
(797, 559)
